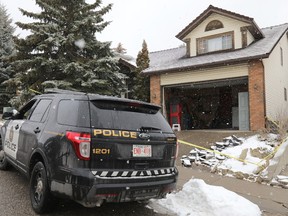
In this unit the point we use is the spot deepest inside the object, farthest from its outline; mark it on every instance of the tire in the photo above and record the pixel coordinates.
(4, 164)
(40, 196)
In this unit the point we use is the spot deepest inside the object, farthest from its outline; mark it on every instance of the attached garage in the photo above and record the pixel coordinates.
(206, 98)
(206, 105)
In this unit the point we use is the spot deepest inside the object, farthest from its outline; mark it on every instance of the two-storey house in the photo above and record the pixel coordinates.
(230, 74)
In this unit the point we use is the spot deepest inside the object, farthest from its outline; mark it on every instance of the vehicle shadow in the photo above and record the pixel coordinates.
(15, 200)
(125, 209)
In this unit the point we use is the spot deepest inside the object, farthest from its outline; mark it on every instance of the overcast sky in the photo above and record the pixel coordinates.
(158, 21)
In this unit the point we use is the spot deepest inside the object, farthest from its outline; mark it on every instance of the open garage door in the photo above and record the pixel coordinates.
(208, 105)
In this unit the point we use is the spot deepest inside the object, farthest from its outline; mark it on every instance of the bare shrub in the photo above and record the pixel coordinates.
(282, 122)
(277, 126)
(264, 133)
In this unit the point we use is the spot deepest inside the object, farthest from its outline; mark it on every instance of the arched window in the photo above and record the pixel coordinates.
(215, 24)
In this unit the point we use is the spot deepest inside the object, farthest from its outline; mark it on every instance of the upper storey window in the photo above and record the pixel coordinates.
(215, 24)
(215, 43)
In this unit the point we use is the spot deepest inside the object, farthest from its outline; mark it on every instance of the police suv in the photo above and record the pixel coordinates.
(90, 148)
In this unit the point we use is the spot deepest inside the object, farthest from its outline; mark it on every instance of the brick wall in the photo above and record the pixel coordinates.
(256, 95)
(155, 89)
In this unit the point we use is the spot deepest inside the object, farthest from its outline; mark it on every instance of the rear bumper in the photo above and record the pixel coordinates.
(124, 186)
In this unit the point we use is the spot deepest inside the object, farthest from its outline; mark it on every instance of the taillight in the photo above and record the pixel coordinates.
(81, 143)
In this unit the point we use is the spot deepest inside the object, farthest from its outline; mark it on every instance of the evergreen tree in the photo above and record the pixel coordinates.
(127, 66)
(120, 49)
(141, 89)
(62, 50)
(6, 50)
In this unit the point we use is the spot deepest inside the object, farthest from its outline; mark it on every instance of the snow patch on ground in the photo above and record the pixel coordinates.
(199, 199)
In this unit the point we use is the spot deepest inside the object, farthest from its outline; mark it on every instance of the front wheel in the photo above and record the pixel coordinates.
(4, 164)
(39, 190)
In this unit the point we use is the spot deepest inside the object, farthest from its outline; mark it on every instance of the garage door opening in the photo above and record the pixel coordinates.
(205, 105)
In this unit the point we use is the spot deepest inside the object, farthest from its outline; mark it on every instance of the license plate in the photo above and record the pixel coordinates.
(142, 151)
(144, 193)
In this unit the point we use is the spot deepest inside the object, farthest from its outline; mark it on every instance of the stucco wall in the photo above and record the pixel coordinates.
(276, 79)
(229, 25)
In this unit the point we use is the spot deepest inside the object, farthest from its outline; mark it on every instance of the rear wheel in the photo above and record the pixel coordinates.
(39, 190)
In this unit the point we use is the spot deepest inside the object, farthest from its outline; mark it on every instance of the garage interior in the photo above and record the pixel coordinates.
(205, 105)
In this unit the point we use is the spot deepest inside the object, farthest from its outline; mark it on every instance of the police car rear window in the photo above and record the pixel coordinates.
(125, 106)
(127, 116)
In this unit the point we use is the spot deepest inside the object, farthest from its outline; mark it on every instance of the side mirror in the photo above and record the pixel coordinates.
(7, 115)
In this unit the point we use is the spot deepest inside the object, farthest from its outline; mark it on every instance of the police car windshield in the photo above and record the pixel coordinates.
(121, 115)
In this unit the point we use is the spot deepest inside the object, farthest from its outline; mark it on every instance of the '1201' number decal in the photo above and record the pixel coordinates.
(101, 151)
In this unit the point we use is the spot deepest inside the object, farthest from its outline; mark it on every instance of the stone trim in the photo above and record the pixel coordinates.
(188, 47)
(244, 37)
(155, 89)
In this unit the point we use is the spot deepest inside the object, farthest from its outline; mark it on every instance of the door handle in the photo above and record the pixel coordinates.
(17, 127)
(37, 130)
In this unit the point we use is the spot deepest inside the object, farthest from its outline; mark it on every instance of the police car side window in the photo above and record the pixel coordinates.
(73, 113)
(40, 110)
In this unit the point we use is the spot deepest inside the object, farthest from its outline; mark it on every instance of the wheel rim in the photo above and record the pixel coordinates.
(39, 187)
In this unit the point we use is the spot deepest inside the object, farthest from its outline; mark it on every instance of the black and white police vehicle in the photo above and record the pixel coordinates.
(90, 148)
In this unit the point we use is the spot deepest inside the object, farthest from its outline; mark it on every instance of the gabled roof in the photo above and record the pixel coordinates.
(176, 60)
(253, 28)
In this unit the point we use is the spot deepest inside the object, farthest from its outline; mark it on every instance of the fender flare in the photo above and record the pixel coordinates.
(45, 161)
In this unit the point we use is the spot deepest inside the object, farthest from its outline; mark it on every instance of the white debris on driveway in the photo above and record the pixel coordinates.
(238, 157)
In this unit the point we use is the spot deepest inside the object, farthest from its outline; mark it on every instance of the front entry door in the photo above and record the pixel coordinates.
(243, 101)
